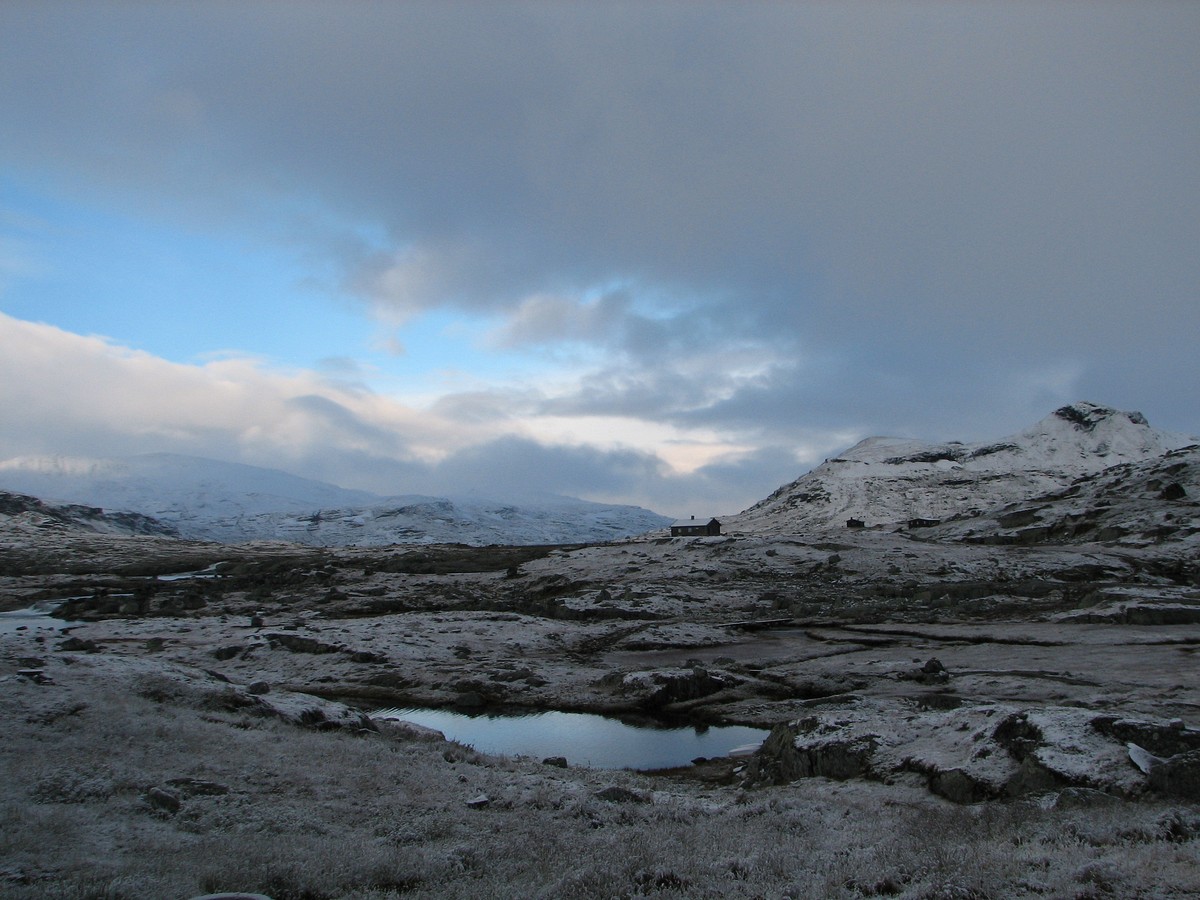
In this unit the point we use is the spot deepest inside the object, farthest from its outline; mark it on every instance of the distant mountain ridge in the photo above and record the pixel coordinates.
(890, 481)
(208, 499)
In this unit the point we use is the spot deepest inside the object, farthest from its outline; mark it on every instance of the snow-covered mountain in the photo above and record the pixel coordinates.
(890, 481)
(210, 500)
(173, 487)
(1150, 502)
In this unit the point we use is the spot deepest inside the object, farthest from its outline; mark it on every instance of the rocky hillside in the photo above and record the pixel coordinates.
(1147, 502)
(205, 499)
(29, 515)
(892, 482)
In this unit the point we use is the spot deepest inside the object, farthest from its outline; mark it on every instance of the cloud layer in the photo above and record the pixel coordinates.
(64, 394)
(771, 226)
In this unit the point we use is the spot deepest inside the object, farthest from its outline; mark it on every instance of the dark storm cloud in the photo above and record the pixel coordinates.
(915, 214)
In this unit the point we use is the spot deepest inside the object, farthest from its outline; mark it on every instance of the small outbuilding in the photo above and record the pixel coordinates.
(695, 527)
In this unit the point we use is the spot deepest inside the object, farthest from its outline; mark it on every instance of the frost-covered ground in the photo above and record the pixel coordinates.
(1001, 772)
(1003, 704)
(136, 778)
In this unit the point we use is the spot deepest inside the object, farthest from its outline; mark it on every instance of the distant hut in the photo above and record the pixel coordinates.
(855, 523)
(695, 527)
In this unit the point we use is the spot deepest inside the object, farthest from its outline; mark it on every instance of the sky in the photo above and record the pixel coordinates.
(663, 253)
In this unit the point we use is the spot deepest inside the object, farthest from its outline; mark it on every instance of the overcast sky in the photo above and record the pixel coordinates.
(671, 254)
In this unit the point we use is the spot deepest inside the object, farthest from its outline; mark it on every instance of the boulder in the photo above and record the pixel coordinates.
(75, 645)
(1158, 738)
(665, 686)
(161, 800)
(932, 672)
(1173, 491)
(787, 755)
(1178, 776)
(469, 700)
(966, 754)
(958, 786)
(299, 644)
(1032, 777)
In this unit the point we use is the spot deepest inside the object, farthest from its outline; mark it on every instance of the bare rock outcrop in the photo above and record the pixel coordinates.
(661, 687)
(974, 753)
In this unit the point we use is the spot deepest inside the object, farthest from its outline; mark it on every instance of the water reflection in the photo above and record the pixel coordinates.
(586, 740)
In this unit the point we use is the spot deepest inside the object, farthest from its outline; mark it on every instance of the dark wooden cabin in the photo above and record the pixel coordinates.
(694, 527)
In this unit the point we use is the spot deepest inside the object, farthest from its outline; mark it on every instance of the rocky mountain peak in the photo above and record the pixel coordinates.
(891, 481)
(1086, 416)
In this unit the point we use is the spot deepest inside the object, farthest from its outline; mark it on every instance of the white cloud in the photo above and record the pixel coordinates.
(66, 394)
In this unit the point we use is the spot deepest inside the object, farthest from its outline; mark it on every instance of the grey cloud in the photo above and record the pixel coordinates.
(478, 407)
(651, 393)
(729, 486)
(322, 412)
(363, 469)
(510, 466)
(934, 201)
(507, 468)
(544, 318)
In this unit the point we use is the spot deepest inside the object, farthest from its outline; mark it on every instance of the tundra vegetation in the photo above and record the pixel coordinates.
(996, 703)
(170, 739)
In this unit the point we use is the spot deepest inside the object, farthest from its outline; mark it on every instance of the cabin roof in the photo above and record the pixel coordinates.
(683, 523)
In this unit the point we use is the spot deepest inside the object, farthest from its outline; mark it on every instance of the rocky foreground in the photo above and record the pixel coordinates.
(925, 676)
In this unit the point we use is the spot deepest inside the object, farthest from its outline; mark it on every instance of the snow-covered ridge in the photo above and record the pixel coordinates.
(20, 513)
(212, 500)
(886, 481)
(167, 485)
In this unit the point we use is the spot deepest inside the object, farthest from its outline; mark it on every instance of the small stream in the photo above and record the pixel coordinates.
(206, 572)
(32, 618)
(584, 739)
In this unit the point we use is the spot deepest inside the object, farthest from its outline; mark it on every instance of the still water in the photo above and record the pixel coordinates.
(585, 740)
(32, 618)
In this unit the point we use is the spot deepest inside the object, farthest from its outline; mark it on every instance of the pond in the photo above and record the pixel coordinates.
(585, 740)
(32, 618)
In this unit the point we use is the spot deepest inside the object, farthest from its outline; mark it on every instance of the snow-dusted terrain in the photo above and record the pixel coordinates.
(891, 481)
(204, 499)
(1013, 690)
(20, 513)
